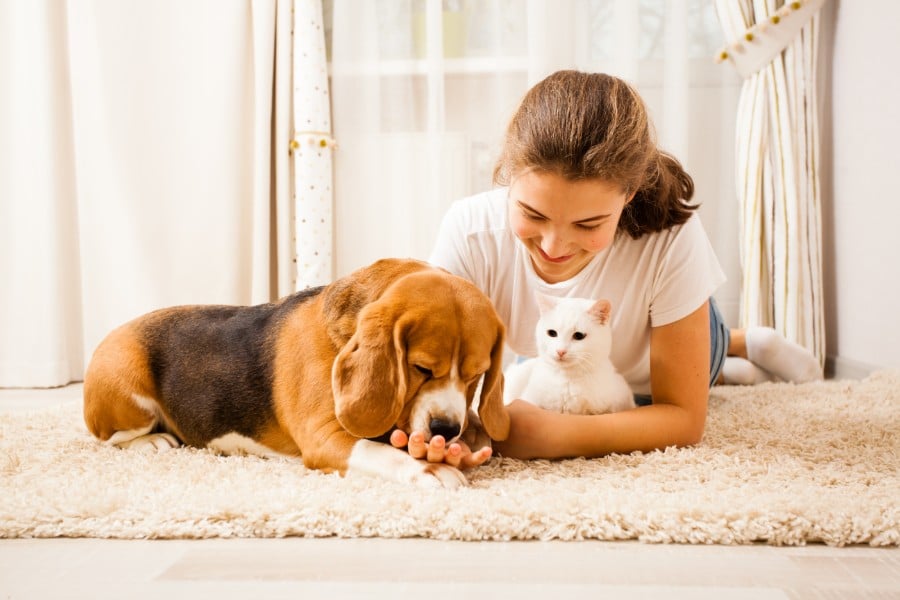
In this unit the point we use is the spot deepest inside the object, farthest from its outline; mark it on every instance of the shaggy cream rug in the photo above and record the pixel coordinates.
(780, 464)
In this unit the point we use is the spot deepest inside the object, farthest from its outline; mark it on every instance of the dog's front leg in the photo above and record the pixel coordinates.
(334, 449)
(383, 460)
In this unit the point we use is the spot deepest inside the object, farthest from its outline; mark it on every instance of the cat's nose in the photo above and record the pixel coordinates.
(560, 354)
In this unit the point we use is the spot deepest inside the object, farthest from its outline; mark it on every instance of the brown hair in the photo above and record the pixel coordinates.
(591, 125)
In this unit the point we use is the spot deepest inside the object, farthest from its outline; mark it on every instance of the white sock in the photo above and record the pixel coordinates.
(740, 371)
(771, 351)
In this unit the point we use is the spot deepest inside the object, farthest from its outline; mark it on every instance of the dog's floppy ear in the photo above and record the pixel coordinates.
(345, 298)
(491, 409)
(368, 378)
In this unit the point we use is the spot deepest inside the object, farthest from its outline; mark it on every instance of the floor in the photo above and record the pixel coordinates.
(396, 569)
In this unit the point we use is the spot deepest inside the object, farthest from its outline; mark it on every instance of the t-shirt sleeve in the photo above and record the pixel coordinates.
(451, 249)
(687, 275)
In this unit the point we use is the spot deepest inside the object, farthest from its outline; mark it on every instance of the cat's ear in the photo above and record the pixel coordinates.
(600, 311)
(545, 303)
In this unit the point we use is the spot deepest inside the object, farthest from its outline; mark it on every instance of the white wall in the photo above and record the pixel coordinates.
(861, 184)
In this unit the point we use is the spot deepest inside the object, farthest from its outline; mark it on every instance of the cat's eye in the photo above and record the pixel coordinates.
(579, 335)
(426, 372)
(551, 332)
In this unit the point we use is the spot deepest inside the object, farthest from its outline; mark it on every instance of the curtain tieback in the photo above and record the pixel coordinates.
(319, 139)
(767, 39)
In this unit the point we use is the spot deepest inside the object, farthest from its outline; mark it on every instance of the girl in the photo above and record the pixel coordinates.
(592, 208)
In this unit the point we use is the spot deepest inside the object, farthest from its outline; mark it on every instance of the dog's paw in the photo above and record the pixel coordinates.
(442, 476)
(382, 460)
(154, 442)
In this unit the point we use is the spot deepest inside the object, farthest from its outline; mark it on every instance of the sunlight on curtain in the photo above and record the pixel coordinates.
(135, 168)
(775, 47)
(422, 91)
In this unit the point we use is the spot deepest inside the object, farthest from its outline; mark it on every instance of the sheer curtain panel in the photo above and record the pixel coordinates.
(422, 91)
(136, 168)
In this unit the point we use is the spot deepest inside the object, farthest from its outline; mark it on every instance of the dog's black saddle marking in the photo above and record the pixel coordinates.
(213, 366)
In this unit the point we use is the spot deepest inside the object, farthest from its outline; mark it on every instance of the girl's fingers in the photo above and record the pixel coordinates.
(399, 439)
(475, 459)
(417, 446)
(436, 449)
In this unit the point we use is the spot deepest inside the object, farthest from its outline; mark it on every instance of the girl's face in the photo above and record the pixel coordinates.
(563, 223)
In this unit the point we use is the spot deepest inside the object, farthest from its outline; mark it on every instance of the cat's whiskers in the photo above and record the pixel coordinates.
(573, 361)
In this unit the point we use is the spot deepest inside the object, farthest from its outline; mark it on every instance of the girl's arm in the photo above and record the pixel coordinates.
(679, 376)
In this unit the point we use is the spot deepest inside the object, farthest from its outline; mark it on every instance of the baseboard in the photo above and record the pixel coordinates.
(845, 368)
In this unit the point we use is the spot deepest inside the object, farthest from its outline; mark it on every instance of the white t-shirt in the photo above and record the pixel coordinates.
(652, 281)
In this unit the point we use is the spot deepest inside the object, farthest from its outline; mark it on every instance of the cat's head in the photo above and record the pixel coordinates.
(573, 330)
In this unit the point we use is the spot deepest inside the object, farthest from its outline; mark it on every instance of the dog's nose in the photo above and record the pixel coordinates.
(444, 428)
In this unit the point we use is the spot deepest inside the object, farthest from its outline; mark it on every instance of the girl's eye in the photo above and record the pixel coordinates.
(533, 217)
(551, 332)
(579, 335)
(426, 372)
(588, 227)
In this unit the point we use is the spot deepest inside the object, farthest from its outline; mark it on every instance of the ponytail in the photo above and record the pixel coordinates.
(663, 201)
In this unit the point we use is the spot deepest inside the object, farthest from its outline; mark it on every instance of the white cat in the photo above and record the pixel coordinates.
(572, 372)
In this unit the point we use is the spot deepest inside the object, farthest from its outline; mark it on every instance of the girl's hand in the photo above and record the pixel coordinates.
(533, 433)
(457, 454)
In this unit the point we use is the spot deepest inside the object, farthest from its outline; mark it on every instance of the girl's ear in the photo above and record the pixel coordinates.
(545, 303)
(601, 311)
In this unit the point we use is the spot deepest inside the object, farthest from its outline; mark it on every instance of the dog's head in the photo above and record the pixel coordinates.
(416, 359)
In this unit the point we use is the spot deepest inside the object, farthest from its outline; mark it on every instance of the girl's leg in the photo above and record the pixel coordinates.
(763, 354)
(759, 354)
(738, 370)
(737, 343)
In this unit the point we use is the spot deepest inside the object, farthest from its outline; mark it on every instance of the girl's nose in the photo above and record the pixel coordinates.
(553, 245)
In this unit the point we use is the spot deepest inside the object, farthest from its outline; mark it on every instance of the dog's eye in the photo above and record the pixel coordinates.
(578, 335)
(551, 332)
(424, 371)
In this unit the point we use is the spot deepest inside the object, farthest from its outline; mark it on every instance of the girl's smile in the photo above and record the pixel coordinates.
(560, 259)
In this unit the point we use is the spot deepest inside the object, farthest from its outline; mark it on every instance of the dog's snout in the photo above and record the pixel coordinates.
(444, 428)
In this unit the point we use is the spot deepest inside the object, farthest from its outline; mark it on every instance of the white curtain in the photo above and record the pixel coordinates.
(311, 148)
(136, 168)
(774, 46)
(422, 91)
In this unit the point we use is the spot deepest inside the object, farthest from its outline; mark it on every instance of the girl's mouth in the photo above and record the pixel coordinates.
(557, 260)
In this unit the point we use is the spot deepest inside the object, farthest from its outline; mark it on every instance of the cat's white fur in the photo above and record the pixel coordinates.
(570, 375)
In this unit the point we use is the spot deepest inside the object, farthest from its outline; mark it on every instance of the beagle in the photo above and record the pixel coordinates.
(320, 374)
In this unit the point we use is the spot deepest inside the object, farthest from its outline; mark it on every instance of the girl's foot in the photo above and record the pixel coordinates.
(772, 352)
(740, 371)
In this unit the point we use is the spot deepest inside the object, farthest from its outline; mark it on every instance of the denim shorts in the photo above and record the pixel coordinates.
(719, 337)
